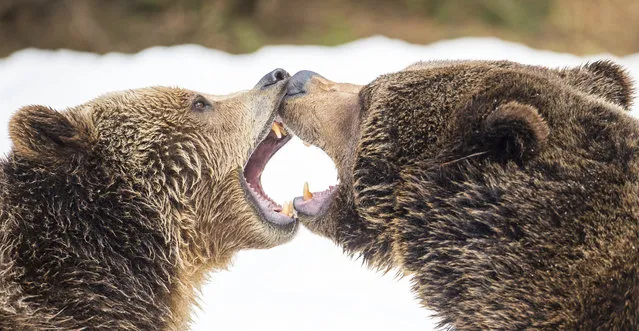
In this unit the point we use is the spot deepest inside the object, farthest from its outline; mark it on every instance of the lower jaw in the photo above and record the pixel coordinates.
(272, 234)
(277, 231)
(317, 205)
(270, 217)
(277, 219)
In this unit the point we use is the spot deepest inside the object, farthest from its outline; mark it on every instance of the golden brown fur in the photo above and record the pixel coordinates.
(509, 193)
(112, 212)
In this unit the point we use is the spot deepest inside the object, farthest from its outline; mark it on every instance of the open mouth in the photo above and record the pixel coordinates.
(314, 203)
(271, 211)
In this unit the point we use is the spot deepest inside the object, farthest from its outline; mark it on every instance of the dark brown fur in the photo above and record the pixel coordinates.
(509, 193)
(113, 211)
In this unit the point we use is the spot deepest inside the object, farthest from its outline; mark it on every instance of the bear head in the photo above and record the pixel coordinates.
(443, 111)
(506, 191)
(146, 189)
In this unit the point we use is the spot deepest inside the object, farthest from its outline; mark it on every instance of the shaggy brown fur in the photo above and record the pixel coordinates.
(113, 211)
(509, 193)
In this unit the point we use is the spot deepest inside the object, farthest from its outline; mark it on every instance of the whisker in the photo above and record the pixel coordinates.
(463, 158)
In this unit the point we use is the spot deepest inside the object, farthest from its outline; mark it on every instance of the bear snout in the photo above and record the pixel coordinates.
(272, 78)
(298, 83)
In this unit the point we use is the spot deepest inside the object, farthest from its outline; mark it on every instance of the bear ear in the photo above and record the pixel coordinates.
(514, 131)
(603, 78)
(40, 132)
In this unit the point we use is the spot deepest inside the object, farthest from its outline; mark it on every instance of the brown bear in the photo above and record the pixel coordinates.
(509, 193)
(113, 211)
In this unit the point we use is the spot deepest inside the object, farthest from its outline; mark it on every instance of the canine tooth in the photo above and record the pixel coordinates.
(278, 129)
(291, 209)
(307, 193)
(287, 209)
(306, 144)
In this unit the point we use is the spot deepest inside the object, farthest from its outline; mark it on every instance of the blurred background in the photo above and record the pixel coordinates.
(580, 27)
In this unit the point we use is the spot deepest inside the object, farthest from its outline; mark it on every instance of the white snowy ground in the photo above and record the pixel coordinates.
(307, 284)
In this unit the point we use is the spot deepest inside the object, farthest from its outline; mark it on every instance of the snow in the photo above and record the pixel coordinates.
(307, 284)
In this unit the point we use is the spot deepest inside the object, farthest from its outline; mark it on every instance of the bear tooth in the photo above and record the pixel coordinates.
(291, 209)
(287, 209)
(306, 144)
(278, 129)
(307, 193)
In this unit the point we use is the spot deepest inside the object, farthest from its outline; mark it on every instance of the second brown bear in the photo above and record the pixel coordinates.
(509, 193)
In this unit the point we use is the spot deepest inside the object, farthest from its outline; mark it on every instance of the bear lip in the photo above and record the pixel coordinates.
(269, 209)
(317, 205)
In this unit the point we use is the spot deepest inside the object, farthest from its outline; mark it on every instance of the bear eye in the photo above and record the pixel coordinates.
(200, 104)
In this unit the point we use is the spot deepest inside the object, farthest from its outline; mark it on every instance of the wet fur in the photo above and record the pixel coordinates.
(509, 193)
(113, 212)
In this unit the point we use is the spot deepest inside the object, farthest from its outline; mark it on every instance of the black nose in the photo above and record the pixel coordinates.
(297, 83)
(273, 77)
